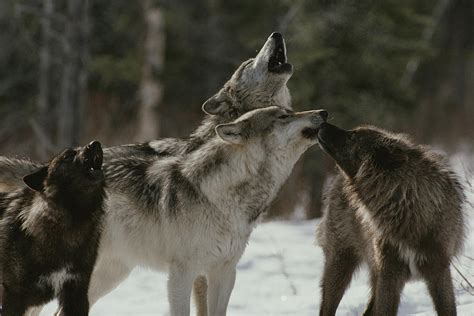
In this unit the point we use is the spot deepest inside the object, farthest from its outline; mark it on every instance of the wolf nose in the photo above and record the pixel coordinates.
(94, 145)
(276, 35)
(324, 114)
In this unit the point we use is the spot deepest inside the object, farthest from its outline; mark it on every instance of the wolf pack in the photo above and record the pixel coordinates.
(73, 228)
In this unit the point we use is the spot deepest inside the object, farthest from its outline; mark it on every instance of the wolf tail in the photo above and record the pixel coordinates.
(12, 171)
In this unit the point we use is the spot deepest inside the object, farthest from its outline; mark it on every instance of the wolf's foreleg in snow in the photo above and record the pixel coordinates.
(180, 284)
(221, 284)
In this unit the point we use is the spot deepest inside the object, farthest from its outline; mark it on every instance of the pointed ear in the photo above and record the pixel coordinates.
(390, 158)
(35, 181)
(217, 104)
(231, 132)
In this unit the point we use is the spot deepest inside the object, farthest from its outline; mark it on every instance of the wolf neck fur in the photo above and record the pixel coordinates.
(245, 176)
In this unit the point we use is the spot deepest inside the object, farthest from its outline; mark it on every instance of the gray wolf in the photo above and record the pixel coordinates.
(49, 233)
(394, 205)
(191, 215)
(257, 83)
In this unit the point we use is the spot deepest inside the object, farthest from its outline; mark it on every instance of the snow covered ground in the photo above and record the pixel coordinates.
(279, 274)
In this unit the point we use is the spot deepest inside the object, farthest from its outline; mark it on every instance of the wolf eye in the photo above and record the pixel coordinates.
(284, 116)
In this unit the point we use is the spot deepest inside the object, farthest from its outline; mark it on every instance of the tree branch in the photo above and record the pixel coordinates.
(414, 63)
(468, 287)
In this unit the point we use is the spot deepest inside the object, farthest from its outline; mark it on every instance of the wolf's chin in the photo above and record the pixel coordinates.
(323, 145)
(280, 68)
(310, 133)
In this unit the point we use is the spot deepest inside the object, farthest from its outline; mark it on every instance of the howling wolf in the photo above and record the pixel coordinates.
(257, 83)
(396, 206)
(50, 232)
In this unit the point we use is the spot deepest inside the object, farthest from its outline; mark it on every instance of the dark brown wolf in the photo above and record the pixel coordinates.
(49, 233)
(394, 205)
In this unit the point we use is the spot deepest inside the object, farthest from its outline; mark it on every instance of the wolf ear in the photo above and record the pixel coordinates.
(35, 180)
(389, 158)
(217, 104)
(231, 133)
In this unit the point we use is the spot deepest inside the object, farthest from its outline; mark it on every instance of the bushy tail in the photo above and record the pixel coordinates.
(13, 170)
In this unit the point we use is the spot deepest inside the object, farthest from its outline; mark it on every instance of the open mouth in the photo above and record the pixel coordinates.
(278, 62)
(93, 158)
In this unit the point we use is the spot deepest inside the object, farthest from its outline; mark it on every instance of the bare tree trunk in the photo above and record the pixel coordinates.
(74, 77)
(215, 48)
(151, 90)
(44, 80)
(83, 60)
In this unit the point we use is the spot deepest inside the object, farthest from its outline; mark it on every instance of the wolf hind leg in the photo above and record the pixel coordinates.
(392, 274)
(369, 310)
(108, 274)
(338, 271)
(200, 295)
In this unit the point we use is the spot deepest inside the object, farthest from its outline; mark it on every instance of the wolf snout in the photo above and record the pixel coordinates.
(276, 35)
(93, 155)
(94, 145)
(324, 114)
(331, 134)
(319, 116)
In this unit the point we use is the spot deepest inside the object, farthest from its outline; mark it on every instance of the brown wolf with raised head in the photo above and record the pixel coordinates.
(396, 206)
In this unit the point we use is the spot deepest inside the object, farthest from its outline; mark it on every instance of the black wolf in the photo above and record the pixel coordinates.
(49, 233)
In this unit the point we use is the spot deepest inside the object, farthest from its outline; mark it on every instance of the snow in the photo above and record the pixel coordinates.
(280, 273)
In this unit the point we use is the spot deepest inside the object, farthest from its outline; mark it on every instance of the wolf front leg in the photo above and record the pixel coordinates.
(180, 283)
(221, 284)
(338, 270)
(14, 304)
(73, 298)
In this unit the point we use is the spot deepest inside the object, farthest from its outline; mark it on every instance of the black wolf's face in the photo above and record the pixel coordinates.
(73, 170)
(258, 82)
(363, 146)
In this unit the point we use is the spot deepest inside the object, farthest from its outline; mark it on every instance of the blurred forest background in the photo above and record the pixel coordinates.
(125, 71)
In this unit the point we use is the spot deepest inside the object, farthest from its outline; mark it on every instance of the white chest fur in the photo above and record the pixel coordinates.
(57, 279)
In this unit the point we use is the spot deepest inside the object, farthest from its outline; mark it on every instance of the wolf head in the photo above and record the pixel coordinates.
(275, 129)
(366, 147)
(258, 82)
(71, 175)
